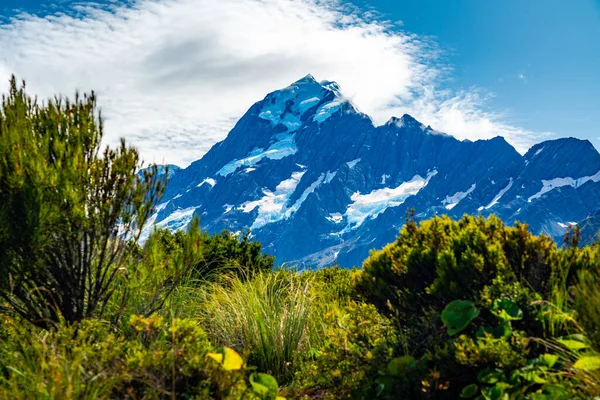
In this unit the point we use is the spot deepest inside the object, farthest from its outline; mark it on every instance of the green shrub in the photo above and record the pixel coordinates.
(228, 253)
(357, 343)
(444, 260)
(155, 272)
(65, 208)
(152, 360)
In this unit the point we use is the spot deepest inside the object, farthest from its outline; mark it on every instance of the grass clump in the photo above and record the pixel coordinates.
(268, 317)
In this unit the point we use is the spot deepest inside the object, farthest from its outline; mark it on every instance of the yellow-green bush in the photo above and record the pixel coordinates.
(155, 359)
(356, 344)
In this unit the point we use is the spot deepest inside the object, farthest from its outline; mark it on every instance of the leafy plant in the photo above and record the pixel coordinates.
(458, 315)
(67, 210)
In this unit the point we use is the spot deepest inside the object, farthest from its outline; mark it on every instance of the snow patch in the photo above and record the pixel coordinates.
(161, 206)
(327, 110)
(329, 176)
(452, 201)
(567, 225)
(551, 184)
(335, 218)
(499, 195)
(284, 147)
(352, 164)
(384, 178)
(272, 207)
(538, 152)
(209, 181)
(177, 220)
(370, 205)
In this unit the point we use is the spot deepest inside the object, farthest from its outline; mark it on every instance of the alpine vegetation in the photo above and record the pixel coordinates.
(470, 307)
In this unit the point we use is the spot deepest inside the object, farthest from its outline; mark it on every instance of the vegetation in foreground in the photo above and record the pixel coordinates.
(451, 309)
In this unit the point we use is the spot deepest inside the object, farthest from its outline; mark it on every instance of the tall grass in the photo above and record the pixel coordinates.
(268, 316)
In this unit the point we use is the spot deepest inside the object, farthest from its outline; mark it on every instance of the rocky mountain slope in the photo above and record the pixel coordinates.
(318, 183)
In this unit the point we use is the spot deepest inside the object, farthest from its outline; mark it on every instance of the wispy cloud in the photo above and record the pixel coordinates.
(522, 77)
(173, 76)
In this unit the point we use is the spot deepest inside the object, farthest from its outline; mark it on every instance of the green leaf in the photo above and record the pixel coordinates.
(493, 393)
(264, 385)
(469, 391)
(398, 366)
(507, 310)
(572, 344)
(588, 363)
(229, 359)
(549, 359)
(533, 376)
(489, 376)
(458, 315)
(502, 331)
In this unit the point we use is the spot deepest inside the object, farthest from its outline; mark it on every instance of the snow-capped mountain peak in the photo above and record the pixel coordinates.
(319, 183)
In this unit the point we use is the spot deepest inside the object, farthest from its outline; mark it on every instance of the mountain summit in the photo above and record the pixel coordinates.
(318, 183)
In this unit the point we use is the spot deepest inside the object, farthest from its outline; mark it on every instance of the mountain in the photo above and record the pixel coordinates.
(169, 169)
(319, 183)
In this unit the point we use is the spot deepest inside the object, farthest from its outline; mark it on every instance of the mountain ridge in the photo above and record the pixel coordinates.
(318, 182)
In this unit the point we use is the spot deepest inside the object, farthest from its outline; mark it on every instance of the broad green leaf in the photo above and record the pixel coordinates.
(458, 315)
(493, 393)
(398, 366)
(588, 363)
(507, 310)
(264, 385)
(549, 359)
(469, 391)
(572, 344)
(228, 358)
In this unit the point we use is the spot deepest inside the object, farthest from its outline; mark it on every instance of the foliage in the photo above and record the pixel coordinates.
(451, 309)
(357, 342)
(65, 208)
(154, 272)
(153, 360)
(267, 316)
(235, 253)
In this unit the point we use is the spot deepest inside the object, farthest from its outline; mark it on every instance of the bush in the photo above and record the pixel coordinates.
(356, 344)
(225, 252)
(153, 273)
(443, 260)
(151, 359)
(65, 208)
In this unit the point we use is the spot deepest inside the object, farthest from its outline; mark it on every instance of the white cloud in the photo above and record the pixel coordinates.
(522, 77)
(173, 76)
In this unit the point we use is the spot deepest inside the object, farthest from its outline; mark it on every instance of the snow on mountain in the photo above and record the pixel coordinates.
(318, 183)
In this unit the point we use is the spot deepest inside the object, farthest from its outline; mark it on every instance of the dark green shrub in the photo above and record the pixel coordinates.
(444, 260)
(65, 208)
(228, 253)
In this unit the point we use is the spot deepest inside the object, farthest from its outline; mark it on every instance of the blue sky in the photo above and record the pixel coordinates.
(526, 70)
(541, 58)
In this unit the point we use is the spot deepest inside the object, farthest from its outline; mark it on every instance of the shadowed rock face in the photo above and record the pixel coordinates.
(318, 183)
